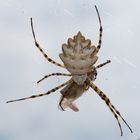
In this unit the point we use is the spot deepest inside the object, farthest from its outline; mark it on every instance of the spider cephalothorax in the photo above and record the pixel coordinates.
(76, 89)
(79, 58)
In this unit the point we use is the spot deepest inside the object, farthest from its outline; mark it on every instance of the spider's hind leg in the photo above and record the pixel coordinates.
(40, 49)
(100, 31)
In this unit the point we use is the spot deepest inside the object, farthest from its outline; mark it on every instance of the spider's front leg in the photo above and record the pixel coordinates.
(115, 112)
(42, 94)
(38, 46)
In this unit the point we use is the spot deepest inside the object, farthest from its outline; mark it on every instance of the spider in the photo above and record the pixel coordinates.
(79, 57)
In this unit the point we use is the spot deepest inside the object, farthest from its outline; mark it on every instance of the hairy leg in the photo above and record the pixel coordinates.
(40, 49)
(103, 64)
(100, 32)
(115, 112)
(53, 74)
(42, 94)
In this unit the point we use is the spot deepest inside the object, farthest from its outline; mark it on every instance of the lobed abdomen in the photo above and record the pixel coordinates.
(78, 55)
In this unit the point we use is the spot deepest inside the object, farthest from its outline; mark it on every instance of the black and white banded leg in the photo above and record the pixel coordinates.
(40, 49)
(100, 32)
(103, 64)
(42, 94)
(115, 112)
(53, 74)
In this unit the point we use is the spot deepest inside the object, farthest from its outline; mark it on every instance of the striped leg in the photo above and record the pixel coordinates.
(115, 112)
(38, 46)
(100, 33)
(43, 94)
(103, 64)
(53, 74)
